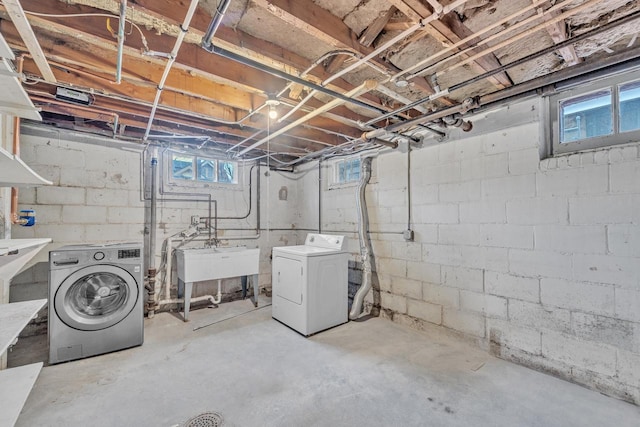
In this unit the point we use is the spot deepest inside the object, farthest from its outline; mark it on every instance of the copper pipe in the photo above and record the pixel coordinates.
(16, 152)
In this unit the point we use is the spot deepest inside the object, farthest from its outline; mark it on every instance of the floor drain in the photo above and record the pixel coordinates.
(207, 419)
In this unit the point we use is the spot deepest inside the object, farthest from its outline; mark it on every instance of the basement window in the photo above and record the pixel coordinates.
(203, 169)
(596, 114)
(347, 171)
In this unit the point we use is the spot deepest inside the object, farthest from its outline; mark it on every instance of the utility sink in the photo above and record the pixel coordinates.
(195, 265)
(199, 264)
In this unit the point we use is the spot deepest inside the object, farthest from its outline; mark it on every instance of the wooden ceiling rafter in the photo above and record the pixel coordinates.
(449, 29)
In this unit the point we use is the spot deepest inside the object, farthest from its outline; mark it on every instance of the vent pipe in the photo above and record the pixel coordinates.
(366, 251)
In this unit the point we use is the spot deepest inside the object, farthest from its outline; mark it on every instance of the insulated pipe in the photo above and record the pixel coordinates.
(365, 244)
(367, 86)
(174, 53)
(122, 21)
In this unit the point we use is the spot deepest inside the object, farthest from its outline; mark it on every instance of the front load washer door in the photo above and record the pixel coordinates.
(96, 297)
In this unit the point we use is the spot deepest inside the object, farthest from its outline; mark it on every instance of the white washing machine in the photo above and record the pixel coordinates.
(95, 300)
(310, 284)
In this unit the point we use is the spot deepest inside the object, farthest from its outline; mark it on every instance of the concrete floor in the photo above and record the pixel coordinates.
(257, 372)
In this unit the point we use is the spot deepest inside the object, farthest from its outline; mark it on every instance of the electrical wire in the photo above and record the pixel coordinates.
(85, 15)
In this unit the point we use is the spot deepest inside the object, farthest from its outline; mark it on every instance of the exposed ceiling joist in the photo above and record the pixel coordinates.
(14, 9)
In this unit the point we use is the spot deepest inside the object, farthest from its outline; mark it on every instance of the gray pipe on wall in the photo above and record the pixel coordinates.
(366, 251)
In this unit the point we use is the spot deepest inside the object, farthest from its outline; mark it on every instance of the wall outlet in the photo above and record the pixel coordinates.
(195, 220)
(408, 235)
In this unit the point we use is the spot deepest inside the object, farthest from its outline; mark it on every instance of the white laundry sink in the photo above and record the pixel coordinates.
(199, 264)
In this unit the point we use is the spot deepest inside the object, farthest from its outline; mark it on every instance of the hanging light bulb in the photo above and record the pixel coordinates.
(272, 103)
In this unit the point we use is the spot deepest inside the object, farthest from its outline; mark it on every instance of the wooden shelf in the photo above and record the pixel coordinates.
(14, 317)
(15, 173)
(15, 386)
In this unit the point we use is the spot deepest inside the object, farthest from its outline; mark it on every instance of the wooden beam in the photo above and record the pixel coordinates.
(558, 32)
(375, 28)
(14, 9)
(449, 29)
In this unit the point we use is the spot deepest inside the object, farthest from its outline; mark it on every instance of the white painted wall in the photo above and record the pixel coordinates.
(97, 198)
(538, 261)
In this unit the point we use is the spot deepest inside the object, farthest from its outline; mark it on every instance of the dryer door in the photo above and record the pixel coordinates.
(96, 297)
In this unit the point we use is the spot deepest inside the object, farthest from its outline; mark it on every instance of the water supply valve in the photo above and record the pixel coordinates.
(27, 218)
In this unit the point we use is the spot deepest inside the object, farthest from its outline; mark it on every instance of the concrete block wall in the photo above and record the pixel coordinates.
(537, 261)
(97, 197)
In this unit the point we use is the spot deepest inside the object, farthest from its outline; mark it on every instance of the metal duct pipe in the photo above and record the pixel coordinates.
(215, 24)
(174, 53)
(365, 244)
(121, 22)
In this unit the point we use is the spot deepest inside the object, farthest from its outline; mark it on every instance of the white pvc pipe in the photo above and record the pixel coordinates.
(123, 17)
(181, 300)
(367, 86)
(174, 53)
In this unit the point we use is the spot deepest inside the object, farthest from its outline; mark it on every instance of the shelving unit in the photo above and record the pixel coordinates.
(15, 386)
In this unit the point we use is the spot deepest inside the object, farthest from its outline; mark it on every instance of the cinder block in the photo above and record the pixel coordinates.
(440, 174)
(580, 296)
(627, 304)
(108, 232)
(624, 240)
(391, 198)
(441, 295)
(489, 305)
(610, 209)
(424, 194)
(425, 233)
(120, 215)
(393, 267)
(507, 285)
(536, 316)
(409, 251)
(46, 214)
(393, 302)
(459, 234)
(483, 212)
(628, 367)
(503, 333)
(426, 311)
(539, 264)
(121, 180)
(50, 195)
(423, 271)
(77, 177)
(607, 330)
(462, 278)
(460, 192)
(480, 257)
(447, 152)
(518, 138)
(580, 353)
(438, 214)
(468, 323)
(472, 169)
(107, 197)
(84, 214)
(620, 271)
(63, 233)
(507, 236)
(523, 162)
(534, 211)
(625, 177)
(406, 287)
(50, 155)
(571, 238)
(593, 179)
(509, 187)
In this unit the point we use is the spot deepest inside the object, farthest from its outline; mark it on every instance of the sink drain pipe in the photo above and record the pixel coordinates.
(365, 244)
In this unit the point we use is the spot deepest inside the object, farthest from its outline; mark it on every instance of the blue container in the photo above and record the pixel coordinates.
(28, 217)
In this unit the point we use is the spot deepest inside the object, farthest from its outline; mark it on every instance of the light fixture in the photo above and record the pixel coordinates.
(401, 83)
(272, 103)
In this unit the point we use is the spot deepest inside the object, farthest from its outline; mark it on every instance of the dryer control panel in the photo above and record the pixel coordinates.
(327, 241)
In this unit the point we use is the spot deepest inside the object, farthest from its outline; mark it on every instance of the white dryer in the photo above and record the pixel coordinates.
(95, 300)
(310, 284)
